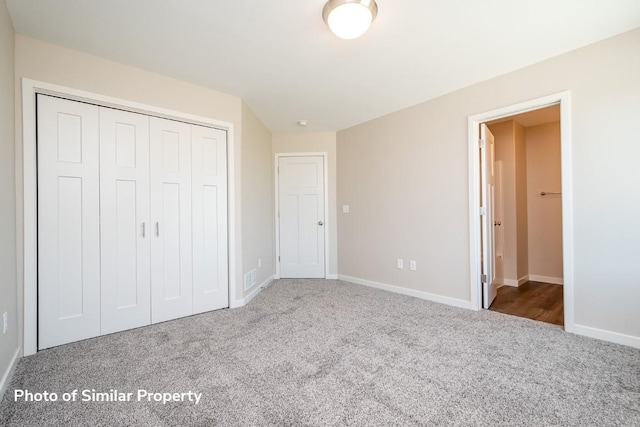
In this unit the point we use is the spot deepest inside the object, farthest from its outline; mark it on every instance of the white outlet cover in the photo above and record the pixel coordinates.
(412, 265)
(400, 264)
(345, 208)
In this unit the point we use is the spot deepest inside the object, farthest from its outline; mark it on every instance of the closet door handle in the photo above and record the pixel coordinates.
(157, 229)
(144, 229)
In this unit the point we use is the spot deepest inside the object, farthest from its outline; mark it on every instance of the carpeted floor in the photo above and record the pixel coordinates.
(308, 352)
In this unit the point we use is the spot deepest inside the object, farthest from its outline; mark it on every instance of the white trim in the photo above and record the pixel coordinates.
(601, 334)
(29, 90)
(256, 290)
(8, 374)
(546, 279)
(564, 99)
(327, 222)
(410, 292)
(332, 277)
(516, 283)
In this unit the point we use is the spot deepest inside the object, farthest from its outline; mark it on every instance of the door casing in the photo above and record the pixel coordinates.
(475, 241)
(327, 222)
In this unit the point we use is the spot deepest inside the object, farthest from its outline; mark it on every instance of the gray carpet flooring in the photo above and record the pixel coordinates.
(324, 353)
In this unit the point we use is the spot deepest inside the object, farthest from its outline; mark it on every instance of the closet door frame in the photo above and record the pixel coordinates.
(29, 237)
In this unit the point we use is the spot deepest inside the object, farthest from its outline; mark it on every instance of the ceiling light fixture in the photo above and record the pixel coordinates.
(349, 19)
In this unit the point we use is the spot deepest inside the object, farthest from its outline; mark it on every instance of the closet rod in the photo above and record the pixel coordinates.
(546, 193)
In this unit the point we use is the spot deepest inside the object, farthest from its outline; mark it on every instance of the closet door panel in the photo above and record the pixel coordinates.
(210, 253)
(125, 228)
(68, 221)
(171, 245)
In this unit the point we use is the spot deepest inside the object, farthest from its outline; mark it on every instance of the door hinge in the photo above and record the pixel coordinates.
(483, 278)
(483, 211)
(482, 143)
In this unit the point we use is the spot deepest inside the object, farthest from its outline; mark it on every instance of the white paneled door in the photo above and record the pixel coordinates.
(132, 220)
(301, 216)
(171, 250)
(487, 156)
(209, 205)
(124, 220)
(68, 221)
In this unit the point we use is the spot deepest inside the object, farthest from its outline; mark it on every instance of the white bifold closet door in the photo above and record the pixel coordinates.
(171, 257)
(209, 211)
(124, 220)
(68, 221)
(189, 216)
(132, 220)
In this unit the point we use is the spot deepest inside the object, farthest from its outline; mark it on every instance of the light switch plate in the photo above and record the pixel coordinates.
(400, 264)
(345, 208)
(412, 265)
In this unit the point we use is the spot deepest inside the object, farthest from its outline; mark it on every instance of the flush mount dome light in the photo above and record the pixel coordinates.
(349, 19)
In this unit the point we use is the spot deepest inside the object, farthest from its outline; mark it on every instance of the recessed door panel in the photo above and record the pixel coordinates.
(70, 246)
(170, 241)
(127, 235)
(68, 221)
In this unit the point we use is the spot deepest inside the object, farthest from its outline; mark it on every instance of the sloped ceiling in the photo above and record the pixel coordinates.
(282, 60)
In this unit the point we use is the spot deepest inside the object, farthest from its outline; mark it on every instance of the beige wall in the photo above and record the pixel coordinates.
(405, 176)
(8, 283)
(316, 142)
(521, 200)
(545, 213)
(53, 64)
(257, 198)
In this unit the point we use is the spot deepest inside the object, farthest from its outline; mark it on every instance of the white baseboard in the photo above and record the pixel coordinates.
(8, 374)
(601, 334)
(517, 283)
(546, 279)
(410, 292)
(332, 277)
(251, 295)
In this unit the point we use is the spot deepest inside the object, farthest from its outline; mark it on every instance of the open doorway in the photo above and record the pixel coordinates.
(527, 215)
(493, 265)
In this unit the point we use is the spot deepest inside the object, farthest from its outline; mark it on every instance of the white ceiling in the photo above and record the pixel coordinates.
(282, 60)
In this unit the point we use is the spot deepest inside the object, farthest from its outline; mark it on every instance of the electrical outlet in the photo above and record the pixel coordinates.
(345, 208)
(400, 264)
(412, 265)
(5, 322)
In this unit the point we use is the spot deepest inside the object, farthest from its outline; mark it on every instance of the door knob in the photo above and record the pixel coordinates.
(320, 223)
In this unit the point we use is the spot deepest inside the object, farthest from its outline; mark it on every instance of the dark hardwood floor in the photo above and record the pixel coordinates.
(533, 300)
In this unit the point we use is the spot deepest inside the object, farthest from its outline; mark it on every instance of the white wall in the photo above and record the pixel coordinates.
(405, 176)
(545, 213)
(257, 198)
(8, 284)
(316, 142)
